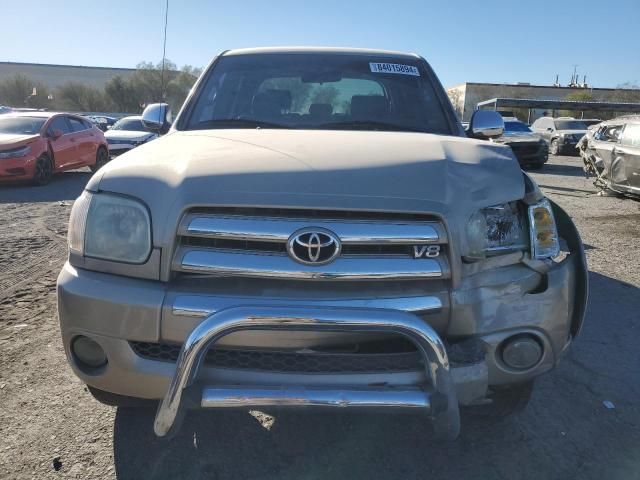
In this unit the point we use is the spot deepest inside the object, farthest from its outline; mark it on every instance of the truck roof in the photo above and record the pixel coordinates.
(329, 50)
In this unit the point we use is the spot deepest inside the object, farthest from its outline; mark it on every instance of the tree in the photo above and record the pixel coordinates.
(77, 96)
(579, 96)
(122, 95)
(17, 91)
(627, 93)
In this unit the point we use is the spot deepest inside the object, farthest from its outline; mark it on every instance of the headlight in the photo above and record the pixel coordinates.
(497, 229)
(110, 227)
(16, 152)
(543, 231)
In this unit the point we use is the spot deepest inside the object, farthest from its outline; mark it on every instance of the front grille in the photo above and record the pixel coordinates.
(525, 150)
(252, 242)
(290, 362)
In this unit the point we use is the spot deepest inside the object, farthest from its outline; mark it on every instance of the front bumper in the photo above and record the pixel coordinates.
(530, 153)
(17, 168)
(488, 307)
(567, 147)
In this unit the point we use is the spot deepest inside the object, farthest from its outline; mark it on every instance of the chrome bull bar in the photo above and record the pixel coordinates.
(438, 399)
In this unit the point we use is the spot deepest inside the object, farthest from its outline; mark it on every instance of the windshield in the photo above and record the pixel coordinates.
(134, 124)
(570, 125)
(21, 125)
(516, 127)
(318, 91)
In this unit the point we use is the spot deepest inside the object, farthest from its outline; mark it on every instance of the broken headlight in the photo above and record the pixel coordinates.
(497, 229)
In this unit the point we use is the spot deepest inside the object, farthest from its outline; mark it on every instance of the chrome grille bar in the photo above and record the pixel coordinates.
(205, 305)
(247, 264)
(279, 229)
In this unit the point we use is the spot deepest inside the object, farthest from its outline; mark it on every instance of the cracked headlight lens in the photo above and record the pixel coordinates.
(497, 229)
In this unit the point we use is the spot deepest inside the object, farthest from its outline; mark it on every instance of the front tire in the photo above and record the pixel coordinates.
(43, 171)
(102, 157)
(554, 148)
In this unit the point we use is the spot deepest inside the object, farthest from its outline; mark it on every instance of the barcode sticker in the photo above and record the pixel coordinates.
(394, 68)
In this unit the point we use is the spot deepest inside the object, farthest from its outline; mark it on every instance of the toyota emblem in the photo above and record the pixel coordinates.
(313, 246)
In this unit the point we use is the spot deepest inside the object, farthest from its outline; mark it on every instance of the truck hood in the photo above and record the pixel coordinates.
(384, 171)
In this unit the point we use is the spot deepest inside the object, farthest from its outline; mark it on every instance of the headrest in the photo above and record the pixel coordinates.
(271, 102)
(369, 106)
(320, 109)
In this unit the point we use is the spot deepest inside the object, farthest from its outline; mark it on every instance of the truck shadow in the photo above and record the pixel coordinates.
(566, 431)
(63, 186)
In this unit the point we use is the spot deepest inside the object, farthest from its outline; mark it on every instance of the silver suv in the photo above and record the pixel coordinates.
(316, 230)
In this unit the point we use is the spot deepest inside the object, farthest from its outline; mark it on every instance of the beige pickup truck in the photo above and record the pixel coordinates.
(317, 229)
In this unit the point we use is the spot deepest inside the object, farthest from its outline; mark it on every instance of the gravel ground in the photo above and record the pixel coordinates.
(51, 428)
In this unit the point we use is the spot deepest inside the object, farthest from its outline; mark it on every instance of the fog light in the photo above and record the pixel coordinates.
(521, 352)
(88, 352)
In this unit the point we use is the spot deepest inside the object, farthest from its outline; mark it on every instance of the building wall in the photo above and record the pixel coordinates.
(56, 75)
(473, 93)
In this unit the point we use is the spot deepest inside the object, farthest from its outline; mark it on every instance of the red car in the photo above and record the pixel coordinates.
(35, 145)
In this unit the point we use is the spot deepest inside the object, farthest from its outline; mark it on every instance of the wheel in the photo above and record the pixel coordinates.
(115, 400)
(553, 147)
(505, 401)
(43, 171)
(102, 157)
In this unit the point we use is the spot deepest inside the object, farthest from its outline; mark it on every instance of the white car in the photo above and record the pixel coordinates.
(127, 133)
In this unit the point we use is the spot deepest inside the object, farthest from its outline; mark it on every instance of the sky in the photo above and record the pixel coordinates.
(464, 40)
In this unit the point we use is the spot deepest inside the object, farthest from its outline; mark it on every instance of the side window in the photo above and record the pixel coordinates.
(59, 123)
(77, 125)
(631, 135)
(610, 134)
(537, 125)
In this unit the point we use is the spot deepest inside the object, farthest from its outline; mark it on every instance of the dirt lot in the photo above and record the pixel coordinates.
(51, 428)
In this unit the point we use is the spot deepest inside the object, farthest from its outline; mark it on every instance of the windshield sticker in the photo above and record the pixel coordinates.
(394, 68)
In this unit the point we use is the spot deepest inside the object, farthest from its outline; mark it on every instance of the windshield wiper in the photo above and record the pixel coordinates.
(369, 125)
(238, 123)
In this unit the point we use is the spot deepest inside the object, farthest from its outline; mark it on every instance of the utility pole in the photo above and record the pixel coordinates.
(164, 49)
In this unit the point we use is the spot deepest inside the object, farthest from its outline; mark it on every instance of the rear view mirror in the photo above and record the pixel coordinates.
(157, 117)
(485, 124)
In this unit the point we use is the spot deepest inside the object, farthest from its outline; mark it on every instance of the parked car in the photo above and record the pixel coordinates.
(4, 110)
(562, 134)
(104, 123)
(611, 153)
(35, 145)
(355, 250)
(127, 133)
(529, 148)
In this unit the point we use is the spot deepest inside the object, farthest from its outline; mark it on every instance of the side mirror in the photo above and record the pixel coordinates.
(56, 134)
(157, 117)
(108, 127)
(485, 124)
(549, 129)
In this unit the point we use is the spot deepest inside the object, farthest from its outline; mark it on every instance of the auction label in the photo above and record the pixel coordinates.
(394, 68)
